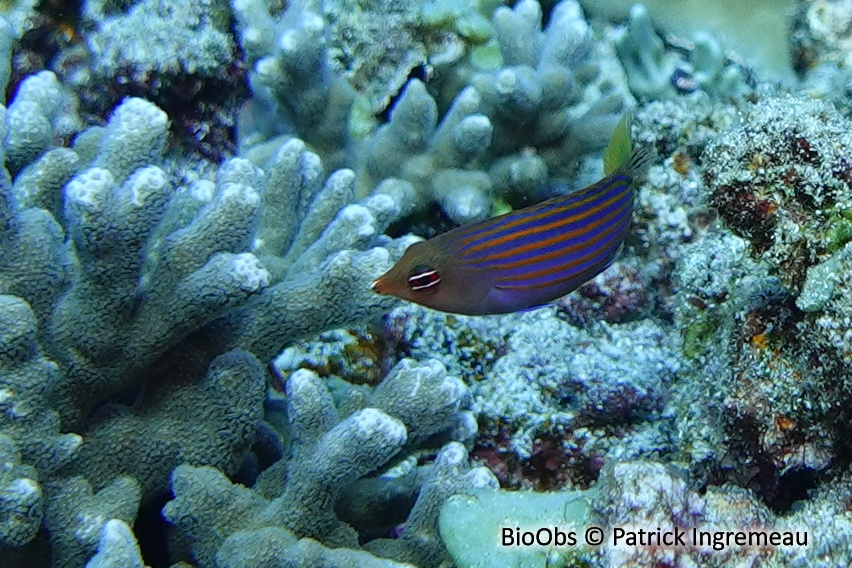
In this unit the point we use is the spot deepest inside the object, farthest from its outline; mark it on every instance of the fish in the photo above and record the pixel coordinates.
(529, 257)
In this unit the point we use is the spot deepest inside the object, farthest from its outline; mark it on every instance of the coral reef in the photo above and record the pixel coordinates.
(516, 129)
(648, 496)
(194, 371)
(541, 382)
(117, 547)
(785, 192)
(782, 183)
(160, 37)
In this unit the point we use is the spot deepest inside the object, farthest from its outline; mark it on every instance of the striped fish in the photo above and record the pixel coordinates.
(529, 257)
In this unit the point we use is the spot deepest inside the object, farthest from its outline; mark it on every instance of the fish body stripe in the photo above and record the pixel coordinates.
(557, 242)
(529, 264)
(560, 211)
(482, 232)
(564, 243)
(594, 257)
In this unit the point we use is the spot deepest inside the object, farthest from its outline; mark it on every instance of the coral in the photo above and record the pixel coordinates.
(158, 37)
(195, 278)
(177, 54)
(466, 20)
(117, 548)
(821, 281)
(681, 129)
(42, 116)
(305, 508)
(194, 415)
(726, 19)
(539, 98)
(649, 68)
(17, 13)
(317, 272)
(328, 453)
(551, 397)
(822, 34)
(420, 543)
(42, 113)
(135, 136)
(340, 454)
(778, 180)
(292, 79)
(14, 22)
(182, 264)
(513, 130)
(21, 502)
(646, 495)
(538, 386)
(654, 73)
(145, 285)
(276, 546)
(820, 50)
(440, 409)
(76, 516)
(26, 379)
(375, 45)
(125, 304)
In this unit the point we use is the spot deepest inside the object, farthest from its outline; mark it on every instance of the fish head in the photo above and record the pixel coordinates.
(426, 276)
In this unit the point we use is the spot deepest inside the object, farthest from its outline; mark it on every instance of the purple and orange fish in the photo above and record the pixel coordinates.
(529, 257)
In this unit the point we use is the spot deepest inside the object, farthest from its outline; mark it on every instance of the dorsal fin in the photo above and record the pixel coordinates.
(620, 156)
(620, 146)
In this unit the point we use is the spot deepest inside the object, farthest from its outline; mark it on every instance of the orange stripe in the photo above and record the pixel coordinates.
(506, 283)
(560, 252)
(526, 216)
(536, 228)
(552, 240)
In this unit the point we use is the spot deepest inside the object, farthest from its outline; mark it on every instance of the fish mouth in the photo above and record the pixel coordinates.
(376, 286)
(383, 285)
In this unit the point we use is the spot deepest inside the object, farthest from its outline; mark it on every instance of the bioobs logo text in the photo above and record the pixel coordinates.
(542, 536)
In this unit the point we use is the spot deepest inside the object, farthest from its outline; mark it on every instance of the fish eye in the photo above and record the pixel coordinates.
(423, 279)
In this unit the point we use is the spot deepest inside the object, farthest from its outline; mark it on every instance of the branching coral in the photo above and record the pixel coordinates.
(148, 302)
(656, 73)
(512, 130)
(328, 454)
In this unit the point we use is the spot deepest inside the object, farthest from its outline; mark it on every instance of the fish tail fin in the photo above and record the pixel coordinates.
(620, 154)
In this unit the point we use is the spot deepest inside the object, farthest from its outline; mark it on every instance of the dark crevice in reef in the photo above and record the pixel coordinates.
(151, 530)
